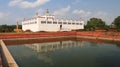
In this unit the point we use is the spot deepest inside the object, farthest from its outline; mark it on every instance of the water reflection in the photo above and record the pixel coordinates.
(66, 54)
(52, 46)
(45, 49)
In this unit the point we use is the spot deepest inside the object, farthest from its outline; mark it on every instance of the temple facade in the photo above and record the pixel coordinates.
(51, 24)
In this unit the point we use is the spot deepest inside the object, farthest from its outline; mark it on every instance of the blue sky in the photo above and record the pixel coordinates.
(15, 10)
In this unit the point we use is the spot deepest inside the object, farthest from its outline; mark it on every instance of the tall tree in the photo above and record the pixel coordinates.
(95, 23)
(117, 22)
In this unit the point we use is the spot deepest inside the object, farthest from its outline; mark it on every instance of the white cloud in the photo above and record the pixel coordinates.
(61, 11)
(1, 15)
(14, 2)
(104, 16)
(76, 2)
(82, 13)
(100, 14)
(27, 4)
(40, 11)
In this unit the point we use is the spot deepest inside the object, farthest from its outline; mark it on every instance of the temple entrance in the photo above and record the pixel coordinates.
(60, 27)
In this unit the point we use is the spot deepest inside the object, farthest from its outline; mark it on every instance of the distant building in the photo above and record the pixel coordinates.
(50, 23)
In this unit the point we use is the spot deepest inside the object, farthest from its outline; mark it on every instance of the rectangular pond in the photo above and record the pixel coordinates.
(66, 54)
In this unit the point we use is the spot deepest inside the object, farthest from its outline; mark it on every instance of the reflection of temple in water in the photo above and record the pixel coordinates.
(45, 49)
(52, 46)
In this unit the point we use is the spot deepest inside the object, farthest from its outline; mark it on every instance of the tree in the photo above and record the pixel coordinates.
(8, 28)
(117, 22)
(95, 23)
(3, 28)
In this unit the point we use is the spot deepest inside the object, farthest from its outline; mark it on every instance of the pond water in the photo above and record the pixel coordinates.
(66, 54)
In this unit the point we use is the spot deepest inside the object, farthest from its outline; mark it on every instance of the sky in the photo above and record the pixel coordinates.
(12, 11)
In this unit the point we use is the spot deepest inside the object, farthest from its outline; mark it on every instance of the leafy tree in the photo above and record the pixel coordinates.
(117, 22)
(95, 23)
(8, 28)
(3, 28)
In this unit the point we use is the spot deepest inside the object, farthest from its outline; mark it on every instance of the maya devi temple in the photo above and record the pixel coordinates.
(51, 24)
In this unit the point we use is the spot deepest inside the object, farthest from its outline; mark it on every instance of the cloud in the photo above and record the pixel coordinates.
(76, 2)
(62, 11)
(82, 13)
(27, 4)
(14, 2)
(100, 14)
(104, 16)
(1, 15)
(40, 11)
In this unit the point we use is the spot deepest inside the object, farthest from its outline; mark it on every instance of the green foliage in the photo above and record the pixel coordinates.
(117, 22)
(95, 23)
(8, 28)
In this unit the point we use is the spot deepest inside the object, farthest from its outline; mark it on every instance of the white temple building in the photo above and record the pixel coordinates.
(51, 24)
